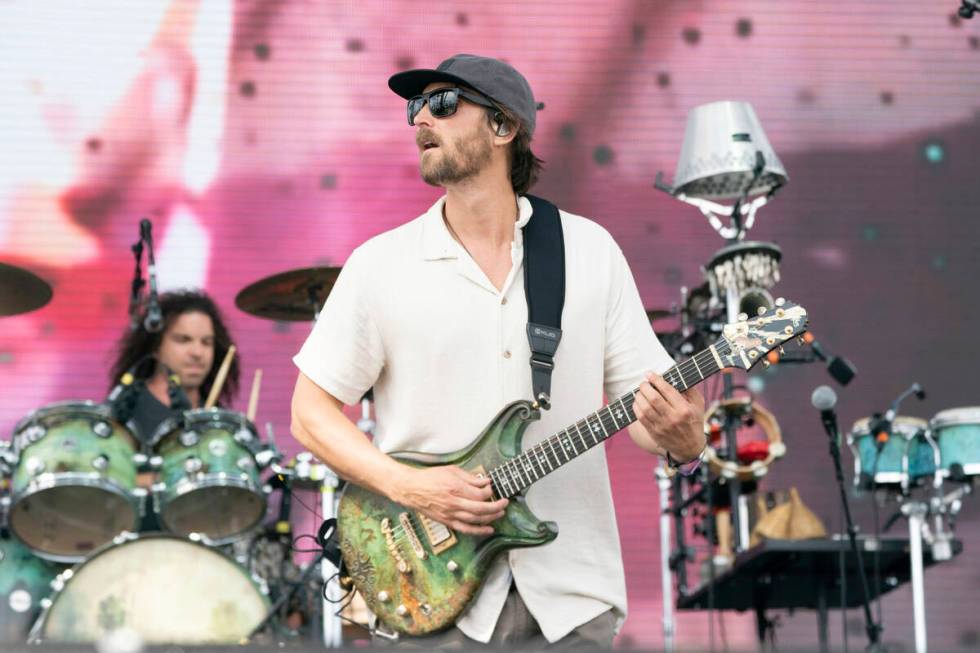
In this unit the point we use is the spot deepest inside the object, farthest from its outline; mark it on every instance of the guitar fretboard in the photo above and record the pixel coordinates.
(561, 448)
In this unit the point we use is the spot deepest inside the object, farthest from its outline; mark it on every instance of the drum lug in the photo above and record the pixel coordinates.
(189, 438)
(156, 462)
(101, 463)
(34, 466)
(140, 459)
(102, 429)
(192, 465)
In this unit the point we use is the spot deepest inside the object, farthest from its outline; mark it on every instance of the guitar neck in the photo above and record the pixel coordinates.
(533, 464)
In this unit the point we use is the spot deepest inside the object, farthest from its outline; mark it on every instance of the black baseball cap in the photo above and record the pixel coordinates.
(492, 77)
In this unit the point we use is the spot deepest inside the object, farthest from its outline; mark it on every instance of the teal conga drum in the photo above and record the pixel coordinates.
(904, 460)
(957, 431)
(74, 485)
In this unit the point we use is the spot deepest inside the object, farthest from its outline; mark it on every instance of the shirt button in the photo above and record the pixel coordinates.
(506, 353)
(503, 302)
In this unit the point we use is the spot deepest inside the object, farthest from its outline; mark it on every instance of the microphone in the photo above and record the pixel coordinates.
(824, 399)
(915, 389)
(839, 368)
(153, 322)
(122, 397)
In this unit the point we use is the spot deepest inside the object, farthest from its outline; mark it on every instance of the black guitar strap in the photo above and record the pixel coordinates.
(544, 287)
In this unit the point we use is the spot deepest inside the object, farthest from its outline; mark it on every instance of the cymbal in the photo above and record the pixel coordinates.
(21, 291)
(293, 296)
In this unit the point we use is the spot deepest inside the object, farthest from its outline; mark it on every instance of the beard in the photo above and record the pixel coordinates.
(470, 154)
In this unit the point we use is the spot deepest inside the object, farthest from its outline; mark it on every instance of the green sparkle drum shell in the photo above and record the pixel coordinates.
(889, 467)
(74, 486)
(25, 581)
(209, 479)
(957, 431)
(165, 589)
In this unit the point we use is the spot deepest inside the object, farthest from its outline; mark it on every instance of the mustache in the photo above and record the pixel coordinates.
(426, 136)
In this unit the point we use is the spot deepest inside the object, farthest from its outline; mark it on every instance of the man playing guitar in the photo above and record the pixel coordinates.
(432, 316)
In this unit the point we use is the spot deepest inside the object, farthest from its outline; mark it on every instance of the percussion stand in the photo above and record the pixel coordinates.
(666, 590)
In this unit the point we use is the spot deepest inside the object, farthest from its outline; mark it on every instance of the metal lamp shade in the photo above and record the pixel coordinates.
(719, 153)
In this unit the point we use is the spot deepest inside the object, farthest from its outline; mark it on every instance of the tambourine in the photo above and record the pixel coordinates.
(742, 408)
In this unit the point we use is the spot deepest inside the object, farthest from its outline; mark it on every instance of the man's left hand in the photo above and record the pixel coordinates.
(670, 421)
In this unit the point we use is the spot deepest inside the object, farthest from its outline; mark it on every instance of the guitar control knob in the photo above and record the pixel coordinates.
(452, 566)
(383, 596)
(401, 610)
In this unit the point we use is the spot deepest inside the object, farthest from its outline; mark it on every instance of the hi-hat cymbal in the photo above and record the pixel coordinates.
(293, 296)
(21, 291)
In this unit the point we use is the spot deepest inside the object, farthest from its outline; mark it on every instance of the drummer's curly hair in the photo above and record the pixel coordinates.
(139, 344)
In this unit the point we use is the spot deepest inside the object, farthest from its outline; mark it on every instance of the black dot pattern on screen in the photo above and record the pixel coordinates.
(887, 98)
(639, 34)
(806, 96)
(974, 42)
(328, 182)
(955, 20)
(743, 27)
(354, 45)
(603, 155)
(462, 19)
(247, 88)
(672, 275)
(262, 51)
(663, 79)
(691, 35)
(405, 62)
(93, 144)
(905, 40)
(567, 132)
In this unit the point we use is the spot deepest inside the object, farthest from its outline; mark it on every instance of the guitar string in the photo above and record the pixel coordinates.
(515, 475)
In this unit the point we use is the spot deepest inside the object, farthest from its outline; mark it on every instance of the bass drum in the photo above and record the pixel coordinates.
(165, 589)
(25, 581)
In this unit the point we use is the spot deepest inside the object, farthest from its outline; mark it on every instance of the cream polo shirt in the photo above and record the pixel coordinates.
(414, 317)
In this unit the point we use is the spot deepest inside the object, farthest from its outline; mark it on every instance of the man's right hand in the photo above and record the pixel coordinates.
(452, 496)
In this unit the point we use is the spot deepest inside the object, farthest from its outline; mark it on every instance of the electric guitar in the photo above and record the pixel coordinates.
(417, 575)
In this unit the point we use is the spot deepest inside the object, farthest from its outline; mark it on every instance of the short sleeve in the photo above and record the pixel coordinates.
(344, 354)
(631, 349)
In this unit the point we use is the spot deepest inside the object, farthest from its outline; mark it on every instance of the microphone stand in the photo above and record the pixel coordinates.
(873, 629)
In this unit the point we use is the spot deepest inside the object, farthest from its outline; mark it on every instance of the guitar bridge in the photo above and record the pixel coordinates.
(413, 537)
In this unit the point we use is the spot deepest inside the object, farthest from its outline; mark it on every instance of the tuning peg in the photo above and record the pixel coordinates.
(800, 341)
(761, 311)
(766, 363)
(742, 317)
(780, 301)
(782, 352)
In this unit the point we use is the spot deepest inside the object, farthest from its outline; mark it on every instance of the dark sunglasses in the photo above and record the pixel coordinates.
(443, 102)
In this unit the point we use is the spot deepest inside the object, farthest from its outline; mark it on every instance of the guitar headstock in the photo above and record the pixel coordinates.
(750, 339)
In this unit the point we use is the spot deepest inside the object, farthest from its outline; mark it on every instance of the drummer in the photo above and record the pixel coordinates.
(194, 339)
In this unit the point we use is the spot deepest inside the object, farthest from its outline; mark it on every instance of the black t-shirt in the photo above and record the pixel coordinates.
(148, 414)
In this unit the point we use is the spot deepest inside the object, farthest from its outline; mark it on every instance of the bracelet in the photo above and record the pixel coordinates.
(688, 468)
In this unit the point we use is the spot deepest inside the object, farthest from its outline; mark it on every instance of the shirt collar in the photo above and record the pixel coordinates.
(439, 244)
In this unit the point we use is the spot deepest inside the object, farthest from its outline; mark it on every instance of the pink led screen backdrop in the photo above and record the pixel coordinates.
(260, 136)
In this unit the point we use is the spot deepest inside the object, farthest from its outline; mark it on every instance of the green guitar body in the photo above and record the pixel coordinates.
(419, 582)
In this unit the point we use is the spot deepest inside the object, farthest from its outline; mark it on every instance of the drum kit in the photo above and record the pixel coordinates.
(77, 484)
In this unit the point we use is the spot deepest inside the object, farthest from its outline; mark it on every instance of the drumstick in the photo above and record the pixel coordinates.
(219, 379)
(253, 400)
